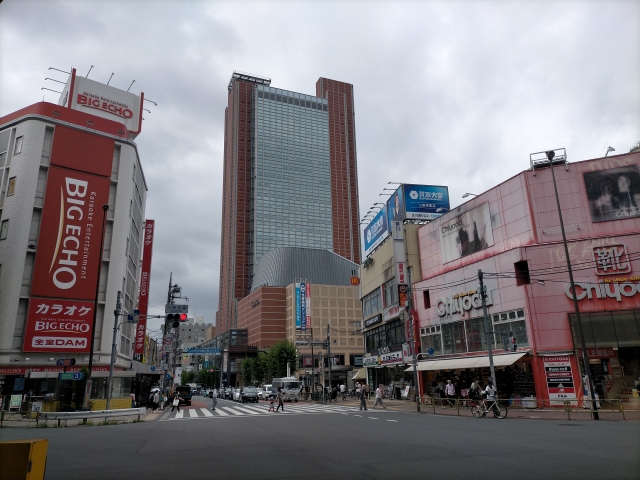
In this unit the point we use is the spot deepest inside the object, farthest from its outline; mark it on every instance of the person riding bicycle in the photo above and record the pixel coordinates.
(474, 390)
(490, 394)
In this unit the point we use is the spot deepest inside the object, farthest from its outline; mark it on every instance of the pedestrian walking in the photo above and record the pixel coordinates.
(450, 390)
(441, 388)
(343, 390)
(176, 402)
(280, 400)
(363, 399)
(379, 395)
(156, 400)
(214, 398)
(132, 395)
(271, 404)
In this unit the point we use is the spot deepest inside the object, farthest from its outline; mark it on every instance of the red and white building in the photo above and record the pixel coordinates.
(59, 164)
(512, 233)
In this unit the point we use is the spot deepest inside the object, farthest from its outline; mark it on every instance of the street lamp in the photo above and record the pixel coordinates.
(585, 358)
(609, 149)
(469, 194)
(438, 210)
(87, 393)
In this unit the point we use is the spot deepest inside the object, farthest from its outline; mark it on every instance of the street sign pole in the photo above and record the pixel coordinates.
(113, 348)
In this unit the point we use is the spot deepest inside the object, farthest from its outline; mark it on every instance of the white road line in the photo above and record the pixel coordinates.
(179, 414)
(358, 416)
(206, 412)
(235, 412)
(373, 418)
(255, 409)
(246, 410)
(221, 413)
(192, 412)
(392, 420)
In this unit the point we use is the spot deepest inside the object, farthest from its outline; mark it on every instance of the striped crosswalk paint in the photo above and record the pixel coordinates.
(259, 410)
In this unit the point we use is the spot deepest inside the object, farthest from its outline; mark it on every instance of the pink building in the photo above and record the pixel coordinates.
(512, 233)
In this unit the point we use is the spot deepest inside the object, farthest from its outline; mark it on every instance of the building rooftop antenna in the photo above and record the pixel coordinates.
(130, 86)
(87, 75)
(112, 74)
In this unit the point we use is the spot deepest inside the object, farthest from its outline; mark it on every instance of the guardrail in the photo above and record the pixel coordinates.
(84, 415)
(578, 408)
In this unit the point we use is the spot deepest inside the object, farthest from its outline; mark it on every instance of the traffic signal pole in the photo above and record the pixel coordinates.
(116, 312)
(329, 356)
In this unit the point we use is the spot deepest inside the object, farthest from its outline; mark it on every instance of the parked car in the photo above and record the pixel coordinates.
(228, 393)
(268, 392)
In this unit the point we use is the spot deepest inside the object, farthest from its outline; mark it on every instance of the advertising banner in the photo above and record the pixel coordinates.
(421, 202)
(70, 233)
(613, 194)
(58, 326)
(225, 361)
(467, 233)
(303, 305)
(395, 207)
(559, 378)
(298, 312)
(308, 306)
(143, 298)
(376, 231)
(391, 358)
(370, 361)
(307, 361)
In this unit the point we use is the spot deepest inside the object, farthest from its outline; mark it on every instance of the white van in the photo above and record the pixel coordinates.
(267, 392)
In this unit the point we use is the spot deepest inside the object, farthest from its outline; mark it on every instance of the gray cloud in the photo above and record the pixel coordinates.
(449, 93)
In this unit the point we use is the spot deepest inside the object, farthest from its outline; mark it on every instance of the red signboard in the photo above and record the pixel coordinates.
(82, 151)
(67, 262)
(58, 326)
(601, 353)
(143, 299)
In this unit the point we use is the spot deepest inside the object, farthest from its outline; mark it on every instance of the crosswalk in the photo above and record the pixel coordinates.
(243, 410)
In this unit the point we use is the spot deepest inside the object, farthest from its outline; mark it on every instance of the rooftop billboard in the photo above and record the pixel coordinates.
(421, 202)
(376, 231)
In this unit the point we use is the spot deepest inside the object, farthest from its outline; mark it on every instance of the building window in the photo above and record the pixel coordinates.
(4, 228)
(522, 273)
(371, 303)
(390, 293)
(12, 186)
(427, 299)
(18, 148)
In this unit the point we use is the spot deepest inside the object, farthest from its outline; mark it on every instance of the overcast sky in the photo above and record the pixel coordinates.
(453, 93)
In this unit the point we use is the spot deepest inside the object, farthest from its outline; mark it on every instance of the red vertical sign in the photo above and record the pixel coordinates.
(143, 298)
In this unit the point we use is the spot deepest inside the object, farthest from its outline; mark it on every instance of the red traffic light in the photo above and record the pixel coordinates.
(182, 317)
(177, 316)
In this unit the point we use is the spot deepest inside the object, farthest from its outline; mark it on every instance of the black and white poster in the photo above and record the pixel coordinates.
(613, 194)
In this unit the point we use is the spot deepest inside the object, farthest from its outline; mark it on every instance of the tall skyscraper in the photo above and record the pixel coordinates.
(290, 179)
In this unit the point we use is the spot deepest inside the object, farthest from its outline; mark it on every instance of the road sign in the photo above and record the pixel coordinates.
(153, 368)
(431, 351)
(210, 351)
(302, 343)
(169, 308)
(167, 341)
(71, 376)
(134, 318)
(65, 362)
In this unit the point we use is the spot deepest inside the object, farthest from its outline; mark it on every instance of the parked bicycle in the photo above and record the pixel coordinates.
(480, 409)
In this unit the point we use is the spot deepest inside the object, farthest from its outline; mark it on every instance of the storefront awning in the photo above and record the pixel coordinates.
(100, 374)
(501, 360)
(360, 374)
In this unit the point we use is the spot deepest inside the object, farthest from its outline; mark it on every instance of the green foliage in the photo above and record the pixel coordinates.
(249, 370)
(187, 377)
(208, 379)
(279, 354)
(635, 147)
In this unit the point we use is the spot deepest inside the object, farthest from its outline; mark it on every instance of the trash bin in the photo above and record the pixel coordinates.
(23, 459)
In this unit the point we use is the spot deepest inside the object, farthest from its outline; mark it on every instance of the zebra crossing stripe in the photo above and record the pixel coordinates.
(192, 412)
(206, 412)
(221, 413)
(179, 414)
(246, 410)
(235, 412)
(256, 409)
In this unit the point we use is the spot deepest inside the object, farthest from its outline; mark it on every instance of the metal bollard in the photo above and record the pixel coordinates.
(458, 405)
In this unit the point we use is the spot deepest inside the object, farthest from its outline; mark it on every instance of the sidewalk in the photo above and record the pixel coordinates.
(514, 412)
(31, 423)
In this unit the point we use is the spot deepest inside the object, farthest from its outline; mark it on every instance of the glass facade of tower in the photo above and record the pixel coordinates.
(291, 176)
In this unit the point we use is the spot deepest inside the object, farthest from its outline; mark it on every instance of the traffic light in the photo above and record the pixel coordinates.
(176, 318)
(325, 344)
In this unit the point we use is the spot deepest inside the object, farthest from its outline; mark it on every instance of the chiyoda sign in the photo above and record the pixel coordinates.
(461, 302)
(589, 290)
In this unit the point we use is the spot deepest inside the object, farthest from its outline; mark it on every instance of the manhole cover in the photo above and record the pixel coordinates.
(571, 425)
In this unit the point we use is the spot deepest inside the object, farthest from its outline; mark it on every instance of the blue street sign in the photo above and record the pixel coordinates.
(153, 368)
(210, 351)
(431, 351)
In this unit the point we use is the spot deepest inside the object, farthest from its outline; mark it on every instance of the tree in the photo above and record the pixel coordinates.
(249, 370)
(635, 148)
(186, 377)
(281, 353)
(208, 378)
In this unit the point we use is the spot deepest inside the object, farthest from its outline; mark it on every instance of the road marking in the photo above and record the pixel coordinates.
(246, 410)
(235, 412)
(221, 413)
(206, 412)
(192, 412)
(358, 416)
(392, 420)
(373, 418)
(179, 414)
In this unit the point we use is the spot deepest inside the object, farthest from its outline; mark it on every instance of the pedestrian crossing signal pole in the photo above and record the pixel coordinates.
(488, 329)
(329, 355)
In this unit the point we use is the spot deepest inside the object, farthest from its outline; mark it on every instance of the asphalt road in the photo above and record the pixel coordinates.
(344, 444)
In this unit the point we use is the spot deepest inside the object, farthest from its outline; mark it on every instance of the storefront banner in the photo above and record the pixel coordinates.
(25, 370)
(70, 235)
(225, 362)
(421, 202)
(308, 301)
(559, 378)
(406, 353)
(298, 312)
(392, 358)
(58, 326)
(467, 233)
(613, 194)
(357, 360)
(611, 260)
(602, 353)
(303, 306)
(372, 320)
(376, 231)
(370, 361)
(391, 312)
(143, 299)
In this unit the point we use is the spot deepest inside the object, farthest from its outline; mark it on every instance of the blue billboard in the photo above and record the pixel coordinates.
(376, 231)
(303, 306)
(395, 207)
(421, 202)
(298, 312)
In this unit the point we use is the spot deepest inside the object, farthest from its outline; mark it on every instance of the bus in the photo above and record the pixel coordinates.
(290, 385)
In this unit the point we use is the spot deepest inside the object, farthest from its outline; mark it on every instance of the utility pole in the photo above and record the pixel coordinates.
(116, 312)
(313, 361)
(487, 329)
(329, 354)
(585, 357)
(414, 350)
